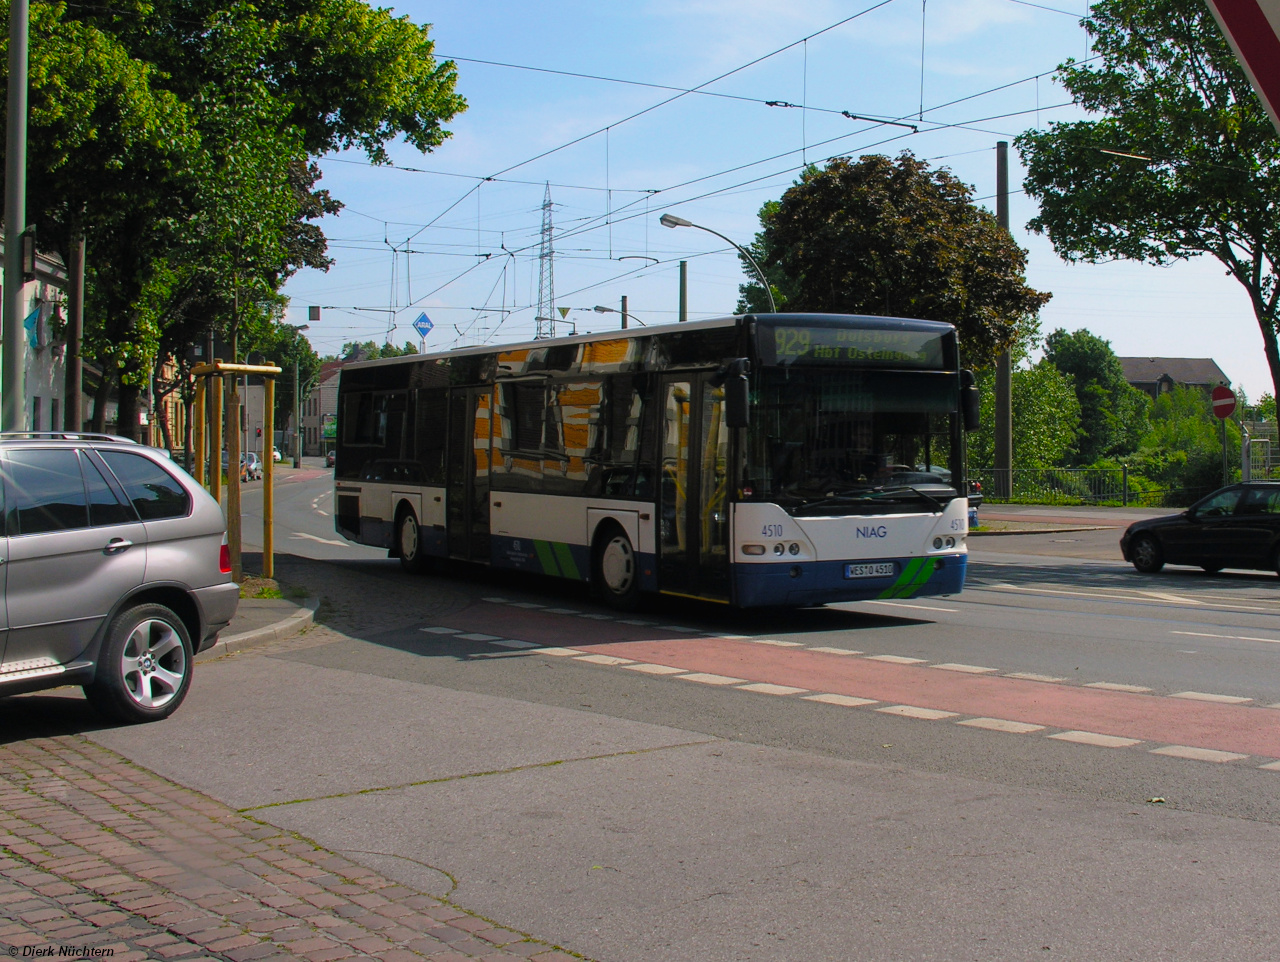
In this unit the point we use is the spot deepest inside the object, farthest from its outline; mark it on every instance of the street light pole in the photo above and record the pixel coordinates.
(13, 413)
(671, 220)
(601, 309)
(297, 398)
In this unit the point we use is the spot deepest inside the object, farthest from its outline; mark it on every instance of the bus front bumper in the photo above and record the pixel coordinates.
(825, 582)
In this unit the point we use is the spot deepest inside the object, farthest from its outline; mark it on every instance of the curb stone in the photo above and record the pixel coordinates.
(294, 624)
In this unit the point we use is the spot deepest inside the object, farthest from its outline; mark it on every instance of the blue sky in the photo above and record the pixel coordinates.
(441, 239)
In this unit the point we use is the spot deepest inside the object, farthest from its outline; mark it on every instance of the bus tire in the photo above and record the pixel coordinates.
(409, 542)
(615, 568)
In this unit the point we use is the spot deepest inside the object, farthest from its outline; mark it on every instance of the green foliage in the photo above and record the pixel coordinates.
(1113, 415)
(1167, 89)
(1183, 449)
(894, 238)
(1265, 409)
(1046, 418)
(372, 350)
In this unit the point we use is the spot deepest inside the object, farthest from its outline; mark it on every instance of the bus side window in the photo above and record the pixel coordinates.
(430, 429)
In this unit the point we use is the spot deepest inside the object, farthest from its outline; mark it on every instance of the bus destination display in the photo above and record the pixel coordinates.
(793, 344)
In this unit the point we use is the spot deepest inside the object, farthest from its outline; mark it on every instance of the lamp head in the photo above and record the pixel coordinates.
(601, 309)
(671, 220)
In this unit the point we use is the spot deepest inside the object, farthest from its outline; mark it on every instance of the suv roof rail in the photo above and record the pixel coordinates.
(63, 436)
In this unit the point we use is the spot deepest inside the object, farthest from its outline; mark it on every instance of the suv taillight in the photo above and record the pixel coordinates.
(224, 557)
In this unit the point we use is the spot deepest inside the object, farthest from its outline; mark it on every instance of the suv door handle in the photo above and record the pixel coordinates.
(117, 544)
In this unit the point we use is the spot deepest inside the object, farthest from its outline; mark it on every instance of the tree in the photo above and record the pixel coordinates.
(372, 350)
(1046, 418)
(1183, 449)
(1113, 414)
(894, 238)
(1204, 172)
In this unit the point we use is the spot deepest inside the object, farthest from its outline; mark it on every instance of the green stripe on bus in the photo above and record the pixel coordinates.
(546, 558)
(904, 579)
(567, 565)
(927, 568)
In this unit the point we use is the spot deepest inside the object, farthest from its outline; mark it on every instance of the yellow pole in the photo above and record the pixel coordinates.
(234, 539)
(197, 432)
(268, 482)
(215, 438)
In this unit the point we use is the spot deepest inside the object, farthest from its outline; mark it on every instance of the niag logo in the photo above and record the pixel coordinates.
(873, 531)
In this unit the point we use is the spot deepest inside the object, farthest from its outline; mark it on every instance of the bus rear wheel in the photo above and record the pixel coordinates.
(409, 543)
(617, 574)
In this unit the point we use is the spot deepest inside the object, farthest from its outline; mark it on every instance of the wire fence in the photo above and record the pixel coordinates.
(1106, 486)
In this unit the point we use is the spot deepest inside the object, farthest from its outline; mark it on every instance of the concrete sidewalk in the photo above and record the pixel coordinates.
(1006, 519)
(261, 620)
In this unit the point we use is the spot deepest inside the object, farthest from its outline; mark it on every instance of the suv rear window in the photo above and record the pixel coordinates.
(155, 493)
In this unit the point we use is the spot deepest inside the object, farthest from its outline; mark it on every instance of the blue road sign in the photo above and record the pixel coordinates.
(423, 325)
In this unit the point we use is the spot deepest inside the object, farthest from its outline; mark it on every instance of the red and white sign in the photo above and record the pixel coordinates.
(1253, 30)
(1224, 401)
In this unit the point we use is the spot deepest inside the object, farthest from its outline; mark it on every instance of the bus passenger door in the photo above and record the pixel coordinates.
(467, 492)
(693, 498)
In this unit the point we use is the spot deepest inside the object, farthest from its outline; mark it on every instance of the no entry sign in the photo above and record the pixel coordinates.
(1224, 401)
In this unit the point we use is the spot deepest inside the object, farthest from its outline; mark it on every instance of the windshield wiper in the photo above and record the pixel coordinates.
(914, 490)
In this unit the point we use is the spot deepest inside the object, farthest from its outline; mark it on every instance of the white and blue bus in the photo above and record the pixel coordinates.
(779, 459)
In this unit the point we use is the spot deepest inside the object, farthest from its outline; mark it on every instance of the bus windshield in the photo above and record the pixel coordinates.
(838, 440)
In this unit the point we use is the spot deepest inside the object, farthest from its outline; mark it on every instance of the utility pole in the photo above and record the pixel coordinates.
(1004, 364)
(624, 312)
(684, 292)
(73, 409)
(13, 414)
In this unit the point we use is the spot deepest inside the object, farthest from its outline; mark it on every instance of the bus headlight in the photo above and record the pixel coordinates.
(951, 542)
(753, 549)
(937, 544)
(794, 548)
(779, 548)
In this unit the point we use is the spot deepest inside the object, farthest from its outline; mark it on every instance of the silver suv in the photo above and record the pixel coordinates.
(114, 568)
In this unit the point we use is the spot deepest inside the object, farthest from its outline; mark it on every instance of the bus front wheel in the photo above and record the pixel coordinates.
(617, 575)
(409, 543)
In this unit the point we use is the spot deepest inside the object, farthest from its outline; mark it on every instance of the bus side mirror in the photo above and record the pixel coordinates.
(969, 400)
(737, 392)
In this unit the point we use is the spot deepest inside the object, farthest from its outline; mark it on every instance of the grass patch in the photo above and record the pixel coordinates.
(256, 587)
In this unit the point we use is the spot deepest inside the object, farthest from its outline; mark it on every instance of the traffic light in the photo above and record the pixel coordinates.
(259, 432)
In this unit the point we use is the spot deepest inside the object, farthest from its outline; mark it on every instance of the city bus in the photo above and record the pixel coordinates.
(756, 460)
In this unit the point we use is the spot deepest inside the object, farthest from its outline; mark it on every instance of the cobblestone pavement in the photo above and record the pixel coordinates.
(101, 858)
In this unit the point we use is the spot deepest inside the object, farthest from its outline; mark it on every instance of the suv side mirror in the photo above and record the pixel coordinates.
(969, 401)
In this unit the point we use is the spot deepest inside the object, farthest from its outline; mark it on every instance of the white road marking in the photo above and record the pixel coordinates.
(1102, 594)
(708, 679)
(1097, 740)
(1205, 634)
(512, 643)
(903, 604)
(765, 688)
(496, 601)
(848, 701)
(605, 660)
(1271, 766)
(312, 537)
(1198, 754)
(1116, 686)
(912, 711)
(967, 669)
(649, 669)
(563, 611)
(834, 651)
(1032, 676)
(678, 630)
(1001, 725)
(477, 636)
(525, 604)
(636, 621)
(323, 514)
(896, 659)
(595, 616)
(436, 630)
(776, 644)
(559, 651)
(1206, 696)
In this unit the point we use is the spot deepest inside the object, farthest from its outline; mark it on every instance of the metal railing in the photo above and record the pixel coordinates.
(1110, 486)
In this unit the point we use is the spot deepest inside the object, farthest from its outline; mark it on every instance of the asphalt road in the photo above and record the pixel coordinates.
(1064, 761)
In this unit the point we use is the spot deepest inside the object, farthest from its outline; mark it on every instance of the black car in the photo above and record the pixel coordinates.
(1235, 527)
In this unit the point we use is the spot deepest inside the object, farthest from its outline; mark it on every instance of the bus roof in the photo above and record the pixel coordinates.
(869, 321)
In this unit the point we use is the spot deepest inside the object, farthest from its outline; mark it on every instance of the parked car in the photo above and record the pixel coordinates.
(328, 459)
(1235, 527)
(275, 454)
(117, 572)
